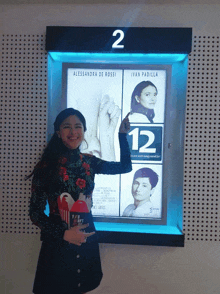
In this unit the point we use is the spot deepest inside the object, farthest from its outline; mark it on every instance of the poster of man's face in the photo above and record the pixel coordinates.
(141, 192)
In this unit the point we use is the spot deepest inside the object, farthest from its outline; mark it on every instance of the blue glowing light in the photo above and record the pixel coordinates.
(179, 74)
(133, 58)
(137, 228)
(47, 209)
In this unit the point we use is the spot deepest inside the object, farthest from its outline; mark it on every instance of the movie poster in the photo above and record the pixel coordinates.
(141, 192)
(144, 94)
(105, 96)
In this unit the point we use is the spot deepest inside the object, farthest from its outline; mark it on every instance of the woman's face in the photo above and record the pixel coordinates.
(71, 132)
(148, 97)
(141, 189)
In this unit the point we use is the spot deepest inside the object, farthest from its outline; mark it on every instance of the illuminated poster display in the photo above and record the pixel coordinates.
(105, 95)
(106, 72)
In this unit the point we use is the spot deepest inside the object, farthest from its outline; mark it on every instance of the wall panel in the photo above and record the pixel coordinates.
(202, 142)
(24, 124)
(24, 121)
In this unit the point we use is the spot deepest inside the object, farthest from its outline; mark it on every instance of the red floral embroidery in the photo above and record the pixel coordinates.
(62, 160)
(62, 171)
(65, 178)
(86, 165)
(84, 170)
(81, 183)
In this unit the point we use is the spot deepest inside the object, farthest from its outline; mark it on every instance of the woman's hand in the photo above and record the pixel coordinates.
(75, 236)
(125, 125)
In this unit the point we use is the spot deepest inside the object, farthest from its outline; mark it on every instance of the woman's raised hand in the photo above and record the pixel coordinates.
(125, 125)
(76, 236)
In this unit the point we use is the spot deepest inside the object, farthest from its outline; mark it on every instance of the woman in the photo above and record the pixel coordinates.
(69, 260)
(143, 100)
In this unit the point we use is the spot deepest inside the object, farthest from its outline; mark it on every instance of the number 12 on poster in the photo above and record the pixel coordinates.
(145, 143)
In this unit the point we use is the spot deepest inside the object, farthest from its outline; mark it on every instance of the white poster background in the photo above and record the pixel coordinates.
(106, 195)
(134, 77)
(88, 90)
(126, 186)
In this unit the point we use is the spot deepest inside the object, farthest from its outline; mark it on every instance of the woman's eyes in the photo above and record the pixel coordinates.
(148, 94)
(69, 127)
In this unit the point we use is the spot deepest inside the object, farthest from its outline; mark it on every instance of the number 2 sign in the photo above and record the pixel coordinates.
(120, 34)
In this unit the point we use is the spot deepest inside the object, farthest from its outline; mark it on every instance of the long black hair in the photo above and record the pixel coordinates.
(48, 165)
(136, 107)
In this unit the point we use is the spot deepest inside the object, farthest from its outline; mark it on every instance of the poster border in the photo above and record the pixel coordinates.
(93, 65)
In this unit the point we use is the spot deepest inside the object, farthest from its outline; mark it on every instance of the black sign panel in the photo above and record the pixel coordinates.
(118, 40)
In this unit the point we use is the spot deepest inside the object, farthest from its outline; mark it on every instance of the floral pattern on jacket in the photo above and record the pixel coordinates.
(76, 177)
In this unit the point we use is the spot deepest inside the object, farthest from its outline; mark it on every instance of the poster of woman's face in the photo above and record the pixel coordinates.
(144, 94)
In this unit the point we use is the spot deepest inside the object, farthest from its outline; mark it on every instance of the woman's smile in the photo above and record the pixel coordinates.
(71, 132)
